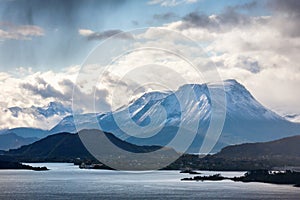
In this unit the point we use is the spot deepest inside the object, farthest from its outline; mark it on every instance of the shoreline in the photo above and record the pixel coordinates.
(260, 176)
(9, 165)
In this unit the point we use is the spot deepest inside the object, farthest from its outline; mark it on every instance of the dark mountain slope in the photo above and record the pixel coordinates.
(289, 146)
(62, 147)
(67, 147)
(267, 155)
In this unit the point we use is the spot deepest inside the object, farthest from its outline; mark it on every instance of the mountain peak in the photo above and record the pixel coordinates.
(232, 82)
(155, 95)
(55, 104)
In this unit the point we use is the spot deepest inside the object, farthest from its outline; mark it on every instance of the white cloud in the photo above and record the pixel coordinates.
(92, 35)
(21, 32)
(257, 51)
(85, 32)
(13, 93)
(254, 50)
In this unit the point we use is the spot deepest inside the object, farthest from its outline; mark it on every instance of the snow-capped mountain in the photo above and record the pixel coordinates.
(293, 117)
(53, 108)
(45, 116)
(246, 119)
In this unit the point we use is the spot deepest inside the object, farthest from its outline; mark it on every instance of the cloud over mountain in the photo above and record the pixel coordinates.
(259, 50)
(256, 42)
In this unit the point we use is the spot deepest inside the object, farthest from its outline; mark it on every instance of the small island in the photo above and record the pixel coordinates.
(17, 165)
(215, 177)
(94, 166)
(263, 176)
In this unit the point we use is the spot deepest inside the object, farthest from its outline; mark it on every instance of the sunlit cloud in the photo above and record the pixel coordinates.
(91, 35)
(261, 51)
(10, 31)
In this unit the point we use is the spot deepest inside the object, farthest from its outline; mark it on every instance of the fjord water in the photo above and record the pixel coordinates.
(66, 181)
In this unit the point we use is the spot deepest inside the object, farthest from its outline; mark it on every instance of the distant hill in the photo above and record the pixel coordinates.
(289, 146)
(67, 147)
(61, 147)
(17, 137)
(11, 141)
(47, 114)
(28, 132)
(267, 155)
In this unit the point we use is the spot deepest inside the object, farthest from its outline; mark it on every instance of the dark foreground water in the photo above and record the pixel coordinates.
(66, 181)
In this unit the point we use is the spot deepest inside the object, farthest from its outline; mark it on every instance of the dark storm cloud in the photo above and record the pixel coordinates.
(81, 100)
(246, 6)
(195, 19)
(287, 6)
(288, 13)
(43, 89)
(70, 90)
(233, 17)
(285, 17)
(165, 16)
(250, 65)
(229, 17)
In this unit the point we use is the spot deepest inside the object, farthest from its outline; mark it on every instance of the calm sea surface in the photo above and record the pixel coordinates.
(66, 181)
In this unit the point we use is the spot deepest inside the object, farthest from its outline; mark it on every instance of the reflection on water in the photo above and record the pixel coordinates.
(66, 181)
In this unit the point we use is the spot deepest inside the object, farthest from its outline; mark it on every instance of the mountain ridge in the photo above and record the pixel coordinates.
(12, 140)
(66, 147)
(277, 154)
(246, 119)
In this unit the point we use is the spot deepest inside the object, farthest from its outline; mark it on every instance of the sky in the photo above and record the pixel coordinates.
(43, 45)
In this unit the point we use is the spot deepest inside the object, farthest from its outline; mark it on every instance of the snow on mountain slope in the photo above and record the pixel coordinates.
(84, 121)
(29, 118)
(241, 103)
(246, 119)
(293, 117)
(44, 117)
(53, 108)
